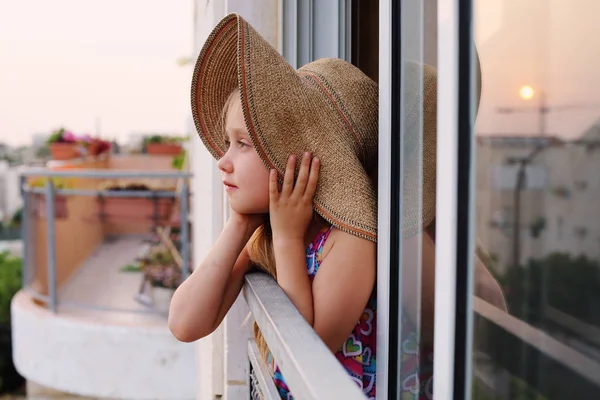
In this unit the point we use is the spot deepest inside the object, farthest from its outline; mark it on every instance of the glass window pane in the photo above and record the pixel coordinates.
(414, 135)
(537, 274)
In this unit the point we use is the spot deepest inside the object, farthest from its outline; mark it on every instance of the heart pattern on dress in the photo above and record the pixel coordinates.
(411, 344)
(366, 356)
(352, 347)
(411, 383)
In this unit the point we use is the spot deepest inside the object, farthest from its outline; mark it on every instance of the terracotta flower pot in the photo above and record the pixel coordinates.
(65, 151)
(163, 149)
(39, 206)
(98, 147)
(136, 208)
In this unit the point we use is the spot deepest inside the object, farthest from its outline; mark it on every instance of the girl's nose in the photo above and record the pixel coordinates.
(224, 164)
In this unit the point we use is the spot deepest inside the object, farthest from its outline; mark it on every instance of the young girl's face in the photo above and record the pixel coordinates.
(245, 177)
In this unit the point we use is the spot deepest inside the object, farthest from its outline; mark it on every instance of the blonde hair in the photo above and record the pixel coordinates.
(229, 102)
(260, 251)
(260, 245)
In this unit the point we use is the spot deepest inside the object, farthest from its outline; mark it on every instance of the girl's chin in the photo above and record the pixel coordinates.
(247, 209)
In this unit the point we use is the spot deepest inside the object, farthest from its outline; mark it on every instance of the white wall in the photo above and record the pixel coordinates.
(84, 355)
(222, 360)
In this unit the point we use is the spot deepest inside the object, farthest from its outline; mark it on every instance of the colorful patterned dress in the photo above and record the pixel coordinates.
(416, 365)
(357, 355)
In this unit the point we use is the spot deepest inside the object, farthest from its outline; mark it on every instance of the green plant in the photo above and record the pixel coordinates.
(56, 136)
(59, 182)
(571, 283)
(135, 185)
(165, 139)
(131, 268)
(178, 161)
(537, 227)
(17, 217)
(10, 284)
(160, 268)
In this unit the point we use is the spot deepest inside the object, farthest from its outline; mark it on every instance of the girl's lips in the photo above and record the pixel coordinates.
(229, 187)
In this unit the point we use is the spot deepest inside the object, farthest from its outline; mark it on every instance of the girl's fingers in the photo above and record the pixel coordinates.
(303, 175)
(313, 179)
(273, 189)
(288, 177)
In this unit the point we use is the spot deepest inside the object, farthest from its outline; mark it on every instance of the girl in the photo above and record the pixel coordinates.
(313, 230)
(295, 150)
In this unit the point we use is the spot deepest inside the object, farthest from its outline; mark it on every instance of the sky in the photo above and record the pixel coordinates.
(90, 65)
(110, 66)
(550, 45)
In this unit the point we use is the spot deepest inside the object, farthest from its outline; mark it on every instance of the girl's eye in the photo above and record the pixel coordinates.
(227, 143)
(242, 144)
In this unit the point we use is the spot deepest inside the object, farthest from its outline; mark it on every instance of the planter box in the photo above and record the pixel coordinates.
(38, 205)
(163, 149)
(136, 208)
(65, 151)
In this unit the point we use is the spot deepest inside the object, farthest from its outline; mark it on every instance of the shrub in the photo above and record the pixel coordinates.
(10, 284)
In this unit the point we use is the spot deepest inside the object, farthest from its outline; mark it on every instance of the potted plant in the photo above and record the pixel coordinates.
(98, 146)
(64, 145)
(141, 208)
(163, 145)
(163, 274)
(38, 200)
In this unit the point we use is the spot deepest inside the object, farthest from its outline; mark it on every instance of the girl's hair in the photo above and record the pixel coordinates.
(227, 108)
(260, 250)
(260, 245)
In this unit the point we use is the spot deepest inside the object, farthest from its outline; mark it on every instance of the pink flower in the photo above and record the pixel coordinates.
(69, 137)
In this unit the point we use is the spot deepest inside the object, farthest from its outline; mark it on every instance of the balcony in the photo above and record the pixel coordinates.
(86, 323)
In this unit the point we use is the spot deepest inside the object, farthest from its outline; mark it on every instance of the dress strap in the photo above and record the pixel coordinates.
(322, 237)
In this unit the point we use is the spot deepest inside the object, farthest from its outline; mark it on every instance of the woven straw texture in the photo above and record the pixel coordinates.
(327, 107)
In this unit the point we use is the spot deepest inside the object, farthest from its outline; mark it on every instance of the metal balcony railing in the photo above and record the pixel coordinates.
(512, 355)
(50, 193)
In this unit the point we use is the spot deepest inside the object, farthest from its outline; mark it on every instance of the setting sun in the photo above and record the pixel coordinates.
(526, 92)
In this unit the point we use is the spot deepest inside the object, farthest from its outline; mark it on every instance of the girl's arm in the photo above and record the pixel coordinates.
(342, 287)
(290, 259)
(345, 280)
(291, 211)
(201, 302)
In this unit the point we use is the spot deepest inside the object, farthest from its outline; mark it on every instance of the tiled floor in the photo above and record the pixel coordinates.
(101, 284)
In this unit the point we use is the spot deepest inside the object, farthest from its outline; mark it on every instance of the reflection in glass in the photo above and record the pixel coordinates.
(418, 107)
(538, 196)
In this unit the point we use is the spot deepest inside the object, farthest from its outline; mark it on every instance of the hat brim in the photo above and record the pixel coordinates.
(234, 57)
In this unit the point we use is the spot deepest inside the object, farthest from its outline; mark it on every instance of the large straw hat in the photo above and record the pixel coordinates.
(328, 107)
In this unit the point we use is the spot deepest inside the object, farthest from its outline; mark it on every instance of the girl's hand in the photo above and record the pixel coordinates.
(247, 222)
(291, 210)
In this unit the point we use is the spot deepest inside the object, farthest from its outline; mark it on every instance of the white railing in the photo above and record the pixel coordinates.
(536, 358)
(310, 369)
